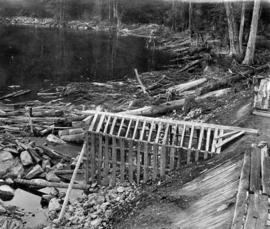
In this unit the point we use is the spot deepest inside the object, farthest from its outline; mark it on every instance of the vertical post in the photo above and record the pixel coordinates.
(199, 144)
(100, 156)
(155, 166)
(145, 174)
(106, 157)
(92, 156)
(130, 165)
(214, 142)
(87, 164)
(113, 160)
(207, 143)
(163, 151)
(138, 162)
(122, 152)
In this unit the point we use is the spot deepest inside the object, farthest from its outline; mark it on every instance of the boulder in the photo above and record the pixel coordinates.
(54, 205)
(6, 192)
(17, 170)
(26, 158)
(6, 162)
(36, 170)
(53, 139)
(96, 222)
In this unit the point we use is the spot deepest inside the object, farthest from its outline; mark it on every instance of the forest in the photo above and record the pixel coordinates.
(134, 114)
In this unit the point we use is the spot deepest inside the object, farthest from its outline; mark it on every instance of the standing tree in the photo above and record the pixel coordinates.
(232, 28)
(242, 24)
(252, 34)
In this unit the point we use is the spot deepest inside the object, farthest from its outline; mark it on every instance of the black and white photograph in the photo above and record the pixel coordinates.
(134, 114)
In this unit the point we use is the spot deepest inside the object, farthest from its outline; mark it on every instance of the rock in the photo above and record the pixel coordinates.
(59, 166)
(50, 176)
(2, 210)
(26, 158)
(46, 164)
(54, 205)
(36, 170)
(6, 162)
(104, 206)
(52, 138)
(96, 222)
(9, 181)
(6, 192)
(12, 150)
(120, 189)
(100, 200)
(17, 170)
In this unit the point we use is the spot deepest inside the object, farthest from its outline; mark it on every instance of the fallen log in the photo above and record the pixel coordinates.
(74, 138)
(40, 183)
(186, 86)
(70, 131)
(189, 65)
(15, 94)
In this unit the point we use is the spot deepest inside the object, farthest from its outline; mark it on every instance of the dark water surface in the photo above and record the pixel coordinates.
(36, 58)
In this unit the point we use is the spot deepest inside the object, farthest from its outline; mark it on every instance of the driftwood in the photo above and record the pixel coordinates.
(172, 105)
(40, 183)
(140, 82)
(15, 94)
(186, 86)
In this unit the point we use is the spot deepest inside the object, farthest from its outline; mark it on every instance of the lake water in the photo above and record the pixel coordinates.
(39, 57)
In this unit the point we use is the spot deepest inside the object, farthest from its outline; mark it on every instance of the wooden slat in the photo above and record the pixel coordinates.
(183, 136)
(229, 139)
(100, 156)
(163, 152)
(228, 134)
(107, 124)
(261, 206)
(158, 132)
(106, 157)
(265, 170)
(145, 172)
(191, 137)
(208, 140)
(138, 163)
(219, 141)
(200, 138)
(120, 128)
(87, 164)
(122, 152)
(214, 142)
(92, 156)
(255, 180)
(113, 125)
(101, 120)
(130, 157)
(251, 214)
(135, 129)
(172, 149)
(128, 129)
(93, 121)
(188, 156)
(241, 198)
(151, 131)
(113, 160)
(197, 125)
(155, 165)
(142, 131)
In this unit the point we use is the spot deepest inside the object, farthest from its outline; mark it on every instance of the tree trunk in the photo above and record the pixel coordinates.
(232, 28)
(189, 17)
(242, 25)
(253, 34)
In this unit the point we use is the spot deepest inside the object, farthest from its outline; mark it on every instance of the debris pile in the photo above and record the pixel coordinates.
(96, 209)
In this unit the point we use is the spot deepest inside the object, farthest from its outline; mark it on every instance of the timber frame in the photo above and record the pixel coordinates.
(140, 148)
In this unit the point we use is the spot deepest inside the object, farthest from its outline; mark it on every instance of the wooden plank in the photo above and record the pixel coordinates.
(200, 138)
(94, 121)
(151, 131)
(120, 127)
(261, 206)
(113, 125)
(197, 125)
(87, 164)
(183, 136)
(135, 129)
(155, 165)
(172, 149)
(107, 124)
(214, 142)
(191, 137)
(106, 157)
(142, 131)
(113, 161)
(222, 143)
(145, 173)
(242, 193)
(101, 120)
(188, 156)
(265, 170)
(158, 132)
(100, 156)
(130, 157)
(255, 180)
(92, 157)
(163, 151)
(228, 134)
(138, 162)
(128, 129)
(122, 152)
(219, 141)
(251, 214)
